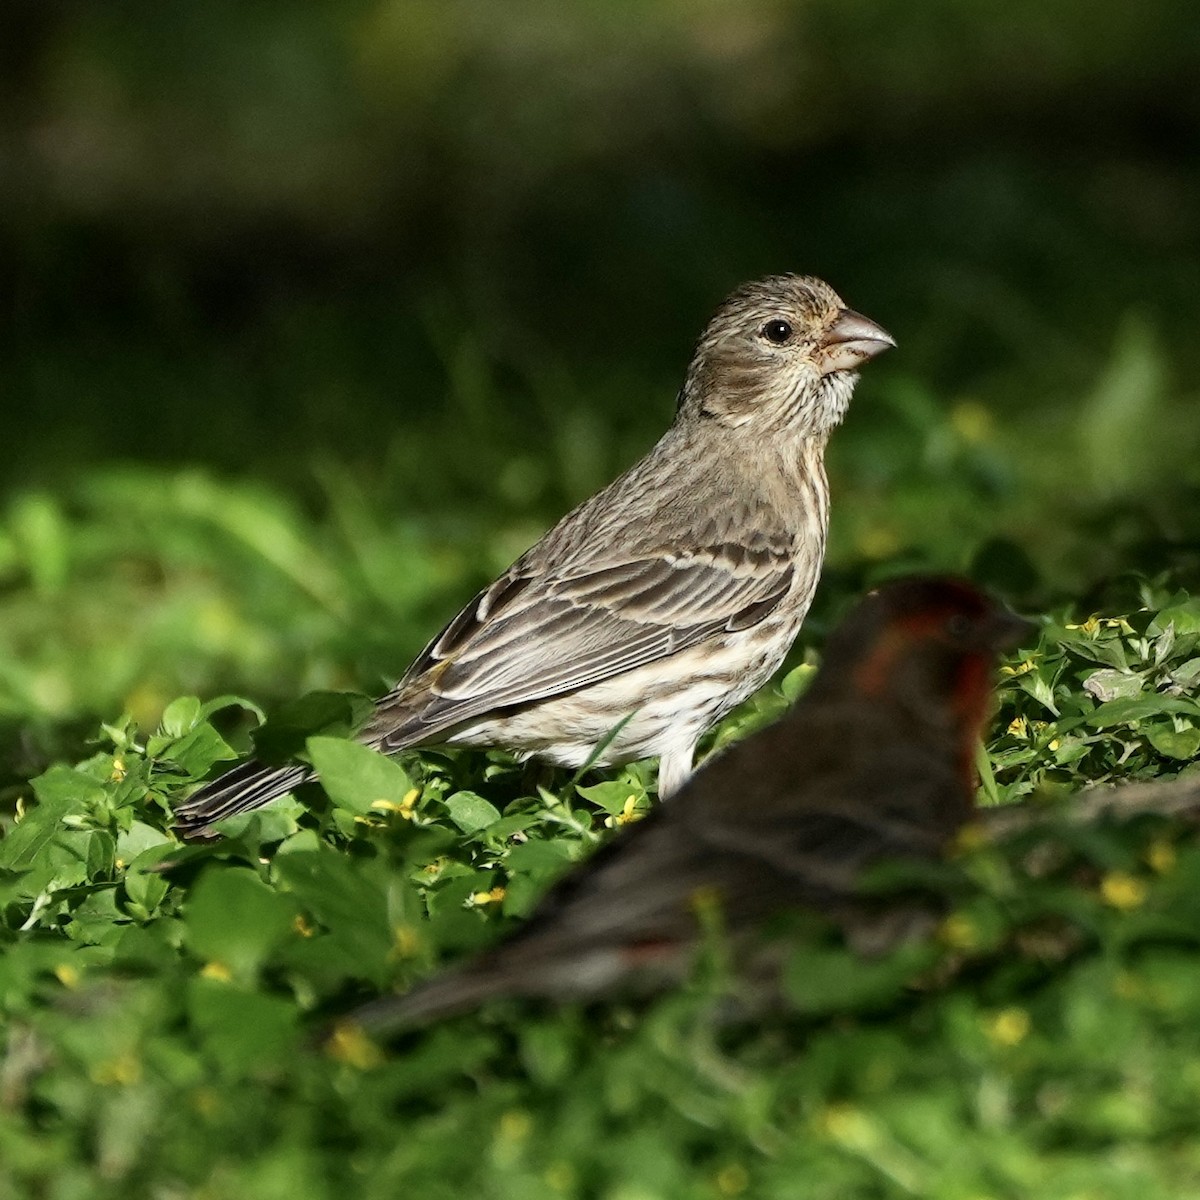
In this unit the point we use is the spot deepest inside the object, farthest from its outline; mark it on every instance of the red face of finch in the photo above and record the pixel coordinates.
(662, 602)
(871, 765)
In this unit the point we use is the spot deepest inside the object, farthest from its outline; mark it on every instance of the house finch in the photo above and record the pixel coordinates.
(874, 763)
(661, 603)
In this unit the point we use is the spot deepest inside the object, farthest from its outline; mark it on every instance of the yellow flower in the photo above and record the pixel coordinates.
(1122, 890)
(515, 1126)
(301, 926)
(406, 941)
(124, 1069)
(1022, 668)
(1091, 626)
(732, 1180)
(959, 932)
(67, 975)
(627, 814)
(492, 897)
(404, 809)
(1019, 727)
(971, 421)
(1008, 1027)
(970, 837)
(560, 1176)
(1160, 854)
(216, 970)
(350, 1044)
(118, 770)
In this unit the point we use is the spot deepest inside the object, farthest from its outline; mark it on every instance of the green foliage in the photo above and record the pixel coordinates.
(166, 1007)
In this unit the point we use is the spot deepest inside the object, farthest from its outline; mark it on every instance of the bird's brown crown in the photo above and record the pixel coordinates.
(780, 352)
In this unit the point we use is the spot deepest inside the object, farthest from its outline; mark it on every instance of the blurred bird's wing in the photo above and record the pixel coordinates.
(534, 635)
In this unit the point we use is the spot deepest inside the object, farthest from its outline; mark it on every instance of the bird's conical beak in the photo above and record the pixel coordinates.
(850, 341)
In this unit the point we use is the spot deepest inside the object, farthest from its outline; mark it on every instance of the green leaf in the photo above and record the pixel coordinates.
(610, 795)
(180, 716)
(357, 778)
(1130, 711)
(198, 750)
(26, 843)
(796, 682)
(77, 791)
(244, 1031)
(1112, 685)
(236, 920)
(471, 812)
(1174, 743)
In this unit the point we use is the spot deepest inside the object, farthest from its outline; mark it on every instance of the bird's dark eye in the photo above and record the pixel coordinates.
(777, 331)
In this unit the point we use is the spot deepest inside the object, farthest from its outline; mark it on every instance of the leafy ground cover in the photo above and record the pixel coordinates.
(162, 1029)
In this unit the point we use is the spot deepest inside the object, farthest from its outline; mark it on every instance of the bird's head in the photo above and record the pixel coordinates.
(926, 646)
(780, 354)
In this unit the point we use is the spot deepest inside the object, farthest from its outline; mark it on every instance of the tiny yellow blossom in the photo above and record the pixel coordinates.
(1160, 854)
(404, 809)
(124, 1069)
(970, 837)
(118, 770)
(627, 814)
(959, 932)
(1008, 1027)
(1053, 745)
(492, 897)
(1122, 890)
(515, 1125)
(877, 541)
(406, 941)
(1091, 626)
(350, 1044)
(847, 1125)
(560, 1176)
(1022, 668)
(67, 975)
(732, 1180)
(301, 926)
(1019, 727)
(971, 421)
(216, 970)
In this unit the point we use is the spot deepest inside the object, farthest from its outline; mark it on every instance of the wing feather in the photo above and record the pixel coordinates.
(532, 636)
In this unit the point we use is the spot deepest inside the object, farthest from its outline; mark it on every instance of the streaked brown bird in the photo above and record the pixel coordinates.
(661, 603)
(875, 763)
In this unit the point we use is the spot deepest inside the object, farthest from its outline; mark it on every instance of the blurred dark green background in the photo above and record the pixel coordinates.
(315, 315)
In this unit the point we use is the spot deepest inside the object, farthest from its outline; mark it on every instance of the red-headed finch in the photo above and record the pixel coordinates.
(874, 764)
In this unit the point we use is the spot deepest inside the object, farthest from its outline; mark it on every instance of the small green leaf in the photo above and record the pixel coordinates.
(1112, 685)
(796, 682)
(471, 812)
(235, 919)
(73, 788)
(610, 795)
(180, 716)
(357, 778)
(1174, 743)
